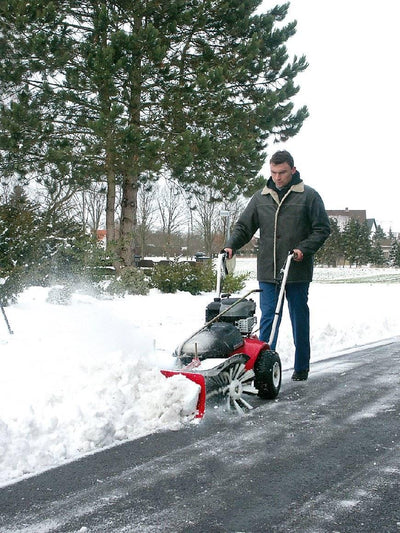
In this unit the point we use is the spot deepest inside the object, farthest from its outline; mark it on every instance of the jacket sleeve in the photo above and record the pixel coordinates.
(320, 227)
(245, 227)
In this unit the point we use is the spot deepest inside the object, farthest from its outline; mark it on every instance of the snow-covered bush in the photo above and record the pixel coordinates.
(192, 277)
(131, 280)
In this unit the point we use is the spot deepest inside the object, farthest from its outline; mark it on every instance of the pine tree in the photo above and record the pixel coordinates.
(379, 234)
(377, 256)
(394, 254)
(123, 92)
(332, 251)
(18, 243)
(38, 247)
(356, 242)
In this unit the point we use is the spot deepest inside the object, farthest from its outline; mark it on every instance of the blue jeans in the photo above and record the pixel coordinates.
(297, 298)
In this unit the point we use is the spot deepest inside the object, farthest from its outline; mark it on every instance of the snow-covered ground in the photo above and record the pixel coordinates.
(79, 377)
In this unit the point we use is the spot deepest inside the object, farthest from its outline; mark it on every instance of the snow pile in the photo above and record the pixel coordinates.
(79, 377)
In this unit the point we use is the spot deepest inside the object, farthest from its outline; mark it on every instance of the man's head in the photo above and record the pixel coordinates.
(282, 168)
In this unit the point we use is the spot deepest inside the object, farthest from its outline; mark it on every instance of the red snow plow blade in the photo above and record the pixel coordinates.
(197, 378)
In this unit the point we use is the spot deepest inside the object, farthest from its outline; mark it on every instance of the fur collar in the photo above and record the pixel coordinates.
(298, 187)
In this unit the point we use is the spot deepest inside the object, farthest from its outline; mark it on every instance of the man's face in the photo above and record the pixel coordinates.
(282, 174)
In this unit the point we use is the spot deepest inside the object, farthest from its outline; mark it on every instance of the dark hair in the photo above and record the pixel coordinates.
(283, 156)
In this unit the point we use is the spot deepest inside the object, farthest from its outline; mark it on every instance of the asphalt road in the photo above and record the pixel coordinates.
(323, 458)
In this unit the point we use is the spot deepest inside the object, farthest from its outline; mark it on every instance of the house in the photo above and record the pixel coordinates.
(342, 217)
(101, 235)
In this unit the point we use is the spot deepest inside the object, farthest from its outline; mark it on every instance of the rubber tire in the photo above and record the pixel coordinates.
(267, 363)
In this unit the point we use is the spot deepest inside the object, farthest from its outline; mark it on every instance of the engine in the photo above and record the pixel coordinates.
(241, 315)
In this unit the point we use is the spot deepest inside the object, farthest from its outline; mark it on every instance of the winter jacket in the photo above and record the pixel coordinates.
(298, 220)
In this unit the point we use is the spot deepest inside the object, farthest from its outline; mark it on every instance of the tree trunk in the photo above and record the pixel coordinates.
(112, 237)
(128, 219)
(130, 183)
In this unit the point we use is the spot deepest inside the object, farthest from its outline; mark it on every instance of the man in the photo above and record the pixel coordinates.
(290, 216)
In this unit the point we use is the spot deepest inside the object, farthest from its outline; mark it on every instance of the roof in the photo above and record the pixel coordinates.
(358, 214)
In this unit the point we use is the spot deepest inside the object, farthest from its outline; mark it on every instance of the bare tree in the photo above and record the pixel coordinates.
(58, 198)
(207, 219)
(215, 219)
(147, 208)
(6, 189)
(95, 206)
(172, 210)
(235, 209)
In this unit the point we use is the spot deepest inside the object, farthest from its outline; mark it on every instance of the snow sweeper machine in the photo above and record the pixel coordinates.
(225, 357)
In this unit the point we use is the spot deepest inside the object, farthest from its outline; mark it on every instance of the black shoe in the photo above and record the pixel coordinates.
(302, 375)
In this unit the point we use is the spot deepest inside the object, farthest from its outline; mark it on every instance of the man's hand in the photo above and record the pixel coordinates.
(229, 252)
(298, 255)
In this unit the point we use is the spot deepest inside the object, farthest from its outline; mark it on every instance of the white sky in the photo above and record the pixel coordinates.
(347, 148)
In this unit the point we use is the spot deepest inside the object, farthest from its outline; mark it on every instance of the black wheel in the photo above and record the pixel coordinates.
(268, 374)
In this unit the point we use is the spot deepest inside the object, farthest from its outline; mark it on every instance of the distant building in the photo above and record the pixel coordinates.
(342, 216)
(101, 234)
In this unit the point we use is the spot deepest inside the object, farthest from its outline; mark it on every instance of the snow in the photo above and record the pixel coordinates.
(79, 377)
